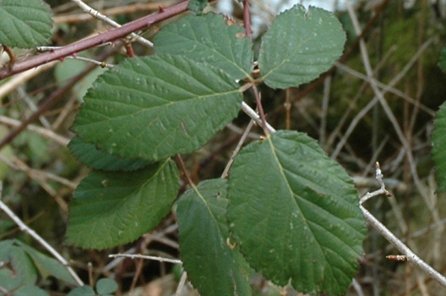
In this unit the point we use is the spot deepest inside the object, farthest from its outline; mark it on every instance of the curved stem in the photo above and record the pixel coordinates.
(112, 35)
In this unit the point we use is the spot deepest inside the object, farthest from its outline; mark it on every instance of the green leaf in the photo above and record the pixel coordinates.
(438, 150)
(48, 266)
(212, 267)
(210, 39)
(28, 290)
(27, 263)
(106, 286)
(110, 209)
(197, 6)
(82, 291)
(295, 214)
(24, 23)
(442, 60)
(299, 46)
(17, 269)
(99, 160)
(155, 107)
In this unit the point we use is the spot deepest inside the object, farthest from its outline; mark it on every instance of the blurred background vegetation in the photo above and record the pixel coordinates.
(404, 40)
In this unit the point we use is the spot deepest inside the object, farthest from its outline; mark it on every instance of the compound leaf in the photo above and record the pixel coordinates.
(211, 39)
(25, 23)
(438, 143)
(158, 106)
(97, 159)
(212, 266)
(295, 214)
(110, 209)
(299, 46)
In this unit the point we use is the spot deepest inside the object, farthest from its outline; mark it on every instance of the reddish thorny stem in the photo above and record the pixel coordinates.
(109, 36)
(74, 48)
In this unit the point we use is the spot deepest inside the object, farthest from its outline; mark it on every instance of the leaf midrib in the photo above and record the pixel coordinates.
(294, 201)
(165, 105)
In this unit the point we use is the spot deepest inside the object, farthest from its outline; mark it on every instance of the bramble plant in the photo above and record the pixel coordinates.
(285, 209)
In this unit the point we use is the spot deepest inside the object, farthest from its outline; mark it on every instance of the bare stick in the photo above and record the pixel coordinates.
(41, 175)
(386, 88)
(109, 36)
(22, 78)
(183, 168)
(115, 10)
(380, 96)
(181, 284)
(96, 14)
(260, 108)
(247, 19)
(237, 149)
(254, 116)
(146, 257)
(23, 227)
(93, 61)
(47, 133)
(396, 242)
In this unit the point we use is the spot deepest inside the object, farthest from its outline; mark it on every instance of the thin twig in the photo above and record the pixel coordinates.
(182, 166)
(238, 130)
(254, 116)
(23, 227)
(93, 61)
(108, 36)
(247, 19)
(181, 284)
(154, 236)
(396, 242)
(389, 113)
(353, 102)
(237, 149)
(32, 106)
(258, 98)
(96, 14)
(386, 88)
(18, 164)
(22, 78)
(116, 10)
(146, 257)
(46, 133)
(357, 287)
